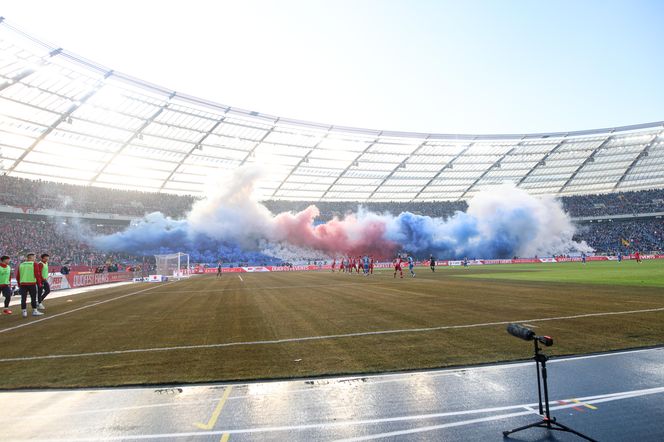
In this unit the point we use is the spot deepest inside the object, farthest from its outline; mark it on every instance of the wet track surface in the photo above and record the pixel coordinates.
(610, 397)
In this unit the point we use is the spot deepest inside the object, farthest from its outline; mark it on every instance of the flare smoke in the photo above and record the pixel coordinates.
(500, 222)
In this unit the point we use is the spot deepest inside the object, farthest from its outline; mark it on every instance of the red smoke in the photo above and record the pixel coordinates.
(349, 235)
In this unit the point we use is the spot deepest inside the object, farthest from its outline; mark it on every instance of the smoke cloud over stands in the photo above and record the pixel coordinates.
(500, 223)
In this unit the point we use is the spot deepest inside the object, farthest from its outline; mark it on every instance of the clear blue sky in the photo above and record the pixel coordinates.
(431, 66)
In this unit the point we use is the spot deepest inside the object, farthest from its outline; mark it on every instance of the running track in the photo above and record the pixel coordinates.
(611, 397)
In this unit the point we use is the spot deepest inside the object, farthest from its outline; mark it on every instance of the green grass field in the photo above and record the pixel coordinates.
(646, 274)
(204, 329)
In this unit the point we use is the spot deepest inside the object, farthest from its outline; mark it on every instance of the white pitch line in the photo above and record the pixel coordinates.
(80, 308)
(240, 278)
(329, 425)
(302, 339)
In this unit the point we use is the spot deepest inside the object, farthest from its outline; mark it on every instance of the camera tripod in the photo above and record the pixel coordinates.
(547, 421)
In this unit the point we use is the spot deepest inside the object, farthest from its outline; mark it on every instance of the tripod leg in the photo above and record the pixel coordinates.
(562, 427)
(525, 427)
(539, 382)
(545, 385)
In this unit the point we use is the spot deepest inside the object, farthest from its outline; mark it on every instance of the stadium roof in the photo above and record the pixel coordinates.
(67, 119)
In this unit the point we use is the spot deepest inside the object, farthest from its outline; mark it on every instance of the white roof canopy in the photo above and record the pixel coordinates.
(66, 119)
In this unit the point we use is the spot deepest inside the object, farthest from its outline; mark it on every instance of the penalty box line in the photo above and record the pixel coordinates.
(81, 308)
(310, 338)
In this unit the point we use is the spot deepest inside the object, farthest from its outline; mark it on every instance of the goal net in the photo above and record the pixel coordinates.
(174, 264)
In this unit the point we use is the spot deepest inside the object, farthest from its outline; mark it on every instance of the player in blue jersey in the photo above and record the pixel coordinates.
(583, 257)
(619, 256)
(365, 262)
(411, 265)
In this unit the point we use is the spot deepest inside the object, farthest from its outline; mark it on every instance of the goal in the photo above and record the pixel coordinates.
(174, 264)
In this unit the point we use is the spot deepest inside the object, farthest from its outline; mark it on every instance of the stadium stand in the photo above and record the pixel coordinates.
(609, 237)
(22, 235)
(639, 202)
(36, 194)
(44, 233)
(622, 203)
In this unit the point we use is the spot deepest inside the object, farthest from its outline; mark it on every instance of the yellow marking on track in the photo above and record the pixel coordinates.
(225, 437)
(216, 412)
(584, 404)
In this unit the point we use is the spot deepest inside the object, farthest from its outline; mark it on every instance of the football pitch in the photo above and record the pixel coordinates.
(295, 324)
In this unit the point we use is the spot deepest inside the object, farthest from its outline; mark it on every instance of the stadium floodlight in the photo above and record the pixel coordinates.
(174, 265)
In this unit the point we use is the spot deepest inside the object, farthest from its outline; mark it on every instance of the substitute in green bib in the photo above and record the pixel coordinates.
(6, 282)
(45, 288)
(28, 277)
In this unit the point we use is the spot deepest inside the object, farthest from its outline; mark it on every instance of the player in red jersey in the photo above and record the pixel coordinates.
(359, 264)
(397, 267)
(371, 265)
(637, 256)
(334, 264)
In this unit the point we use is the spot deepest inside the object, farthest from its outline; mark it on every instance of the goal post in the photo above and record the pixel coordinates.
(173, 265)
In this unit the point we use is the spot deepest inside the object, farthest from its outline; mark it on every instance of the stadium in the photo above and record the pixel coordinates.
(217, 272)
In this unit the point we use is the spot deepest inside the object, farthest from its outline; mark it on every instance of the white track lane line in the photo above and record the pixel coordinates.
(302, 339)
(599, 400)
(4, 330)
(328, 425)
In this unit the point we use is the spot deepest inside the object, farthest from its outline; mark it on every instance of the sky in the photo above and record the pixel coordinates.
(425, 66)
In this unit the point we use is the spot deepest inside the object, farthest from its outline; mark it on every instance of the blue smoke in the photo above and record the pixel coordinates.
(157, 234)
(492, 228)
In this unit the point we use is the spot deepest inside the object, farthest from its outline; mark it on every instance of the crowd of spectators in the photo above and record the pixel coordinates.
(610, 237)
(626, 203)
(20, 236)
(630, 203)
(36, 194)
